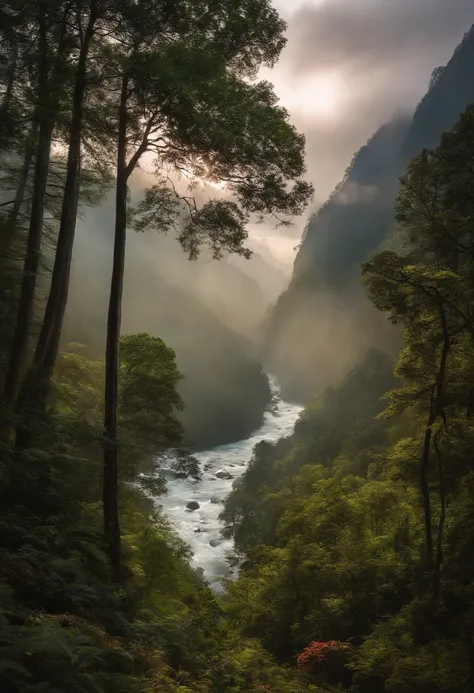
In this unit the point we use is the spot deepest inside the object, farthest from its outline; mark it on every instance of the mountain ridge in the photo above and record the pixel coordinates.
(323, 323)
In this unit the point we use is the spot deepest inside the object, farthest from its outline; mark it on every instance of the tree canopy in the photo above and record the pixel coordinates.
(353, 532)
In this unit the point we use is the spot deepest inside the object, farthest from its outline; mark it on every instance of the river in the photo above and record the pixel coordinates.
(201, 528)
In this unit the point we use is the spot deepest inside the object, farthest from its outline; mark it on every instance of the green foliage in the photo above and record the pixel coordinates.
(356, 529)
(66, 626)
(148, 401)
(189, 91)
(100, 79)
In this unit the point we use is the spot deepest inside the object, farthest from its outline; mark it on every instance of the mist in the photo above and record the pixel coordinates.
(210, 312)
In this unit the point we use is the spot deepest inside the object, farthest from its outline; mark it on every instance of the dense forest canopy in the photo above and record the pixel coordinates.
(356, 531)
(353, 535)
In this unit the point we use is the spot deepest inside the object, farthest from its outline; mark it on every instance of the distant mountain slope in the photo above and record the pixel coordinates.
(322, 325)
(451, 90)
(355, 218)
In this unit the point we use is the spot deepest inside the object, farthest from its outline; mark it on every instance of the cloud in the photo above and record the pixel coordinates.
(354, 193)
(348, 33)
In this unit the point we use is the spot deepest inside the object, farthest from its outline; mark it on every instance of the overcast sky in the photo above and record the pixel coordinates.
(351, 65)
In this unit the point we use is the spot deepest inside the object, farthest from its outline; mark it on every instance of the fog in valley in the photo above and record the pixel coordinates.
(210, 312)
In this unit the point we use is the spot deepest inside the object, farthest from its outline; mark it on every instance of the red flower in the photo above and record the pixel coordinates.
(318, 651)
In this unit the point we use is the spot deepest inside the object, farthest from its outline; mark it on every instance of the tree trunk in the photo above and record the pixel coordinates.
(439, 412)
(424, 486)
(7, 97)
(22, 181)
(31, 264)
(36, 385)
(442, 518)
(436, 410)
(110, 479)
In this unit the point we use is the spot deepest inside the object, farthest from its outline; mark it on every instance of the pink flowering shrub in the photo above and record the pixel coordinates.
(318, 652)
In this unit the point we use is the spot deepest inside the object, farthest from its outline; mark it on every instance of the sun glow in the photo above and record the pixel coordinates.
(324, 96)
(319, 95)
(288, 7)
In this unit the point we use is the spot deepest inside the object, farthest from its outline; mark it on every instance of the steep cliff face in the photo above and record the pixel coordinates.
(451, 90)
(355, 218)
(323, 324)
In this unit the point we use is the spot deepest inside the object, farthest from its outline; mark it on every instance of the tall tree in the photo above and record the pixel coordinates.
(11, 23)
(52, 30)
(87, 16)
(187, 94)
(419, 297)
(36, 383)
(430, 290)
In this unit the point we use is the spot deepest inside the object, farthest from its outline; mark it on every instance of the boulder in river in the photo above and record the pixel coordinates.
(215, 500)
(223, 474)
(192, 505)
(215, 542)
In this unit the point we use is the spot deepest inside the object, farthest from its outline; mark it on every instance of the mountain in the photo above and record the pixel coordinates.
(322, 324)
(207, 311)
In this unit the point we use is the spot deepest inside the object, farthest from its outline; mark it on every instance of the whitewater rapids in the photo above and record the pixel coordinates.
(201, 529)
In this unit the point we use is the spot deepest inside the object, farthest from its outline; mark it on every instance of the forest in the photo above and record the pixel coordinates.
(357, 531)
(354, 534)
